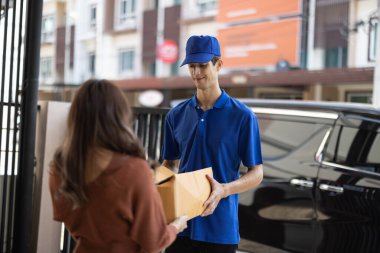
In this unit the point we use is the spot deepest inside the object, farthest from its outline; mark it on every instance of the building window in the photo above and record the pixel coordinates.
(47, 29)
(93, 16)
(206, 5)
(359, 97)
(372, 40)
(127, 12)
(126, 60)
(174, 68)
(46, 68)
(91, 63)
(336, 57)
(152, 69)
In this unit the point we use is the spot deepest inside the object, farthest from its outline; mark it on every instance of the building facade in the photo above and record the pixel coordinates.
(287, 49)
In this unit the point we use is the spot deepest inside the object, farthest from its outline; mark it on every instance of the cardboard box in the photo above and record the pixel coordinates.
(184, 193)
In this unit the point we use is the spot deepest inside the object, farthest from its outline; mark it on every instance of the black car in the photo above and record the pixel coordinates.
(321, 187)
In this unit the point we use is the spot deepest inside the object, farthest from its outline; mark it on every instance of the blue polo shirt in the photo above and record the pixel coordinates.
(221, 137)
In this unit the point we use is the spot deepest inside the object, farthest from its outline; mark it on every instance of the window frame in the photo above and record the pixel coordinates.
(47, 36)
(129, 17)
(207, 6)
(351, 94)
(372, 39)
(358, 167)
(91, 63)
(122, 51)
(341, 57)
(46, 66)
(92, 20)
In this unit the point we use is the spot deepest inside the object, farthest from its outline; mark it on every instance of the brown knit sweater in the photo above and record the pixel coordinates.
(124, 212)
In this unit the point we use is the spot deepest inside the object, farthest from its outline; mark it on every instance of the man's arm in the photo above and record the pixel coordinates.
(251, 179)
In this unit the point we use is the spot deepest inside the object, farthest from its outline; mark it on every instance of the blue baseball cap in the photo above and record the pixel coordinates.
(201, 49)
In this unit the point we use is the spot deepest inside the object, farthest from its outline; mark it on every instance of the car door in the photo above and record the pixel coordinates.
(280, 212)
(348, 189)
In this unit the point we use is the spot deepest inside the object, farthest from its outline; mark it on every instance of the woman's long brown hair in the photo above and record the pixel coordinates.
(99, 117)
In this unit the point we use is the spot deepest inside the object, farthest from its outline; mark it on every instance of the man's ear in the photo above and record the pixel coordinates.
(219, 64)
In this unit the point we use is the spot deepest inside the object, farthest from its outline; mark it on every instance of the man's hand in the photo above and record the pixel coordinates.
(217, 193)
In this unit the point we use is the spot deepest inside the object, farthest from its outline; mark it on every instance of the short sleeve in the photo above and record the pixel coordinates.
(249, 141)
(170, 149)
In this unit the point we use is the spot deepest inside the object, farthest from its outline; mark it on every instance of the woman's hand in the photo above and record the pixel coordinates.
(180, 223)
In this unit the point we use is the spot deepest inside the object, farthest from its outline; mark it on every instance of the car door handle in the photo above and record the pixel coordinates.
(301, 182)
(331, 188)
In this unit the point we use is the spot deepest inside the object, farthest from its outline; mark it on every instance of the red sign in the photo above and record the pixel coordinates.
(167, 51)
(262, 44)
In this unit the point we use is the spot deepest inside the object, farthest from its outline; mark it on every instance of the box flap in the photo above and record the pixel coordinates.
(166, 191)
(162, 174)
(193, 189)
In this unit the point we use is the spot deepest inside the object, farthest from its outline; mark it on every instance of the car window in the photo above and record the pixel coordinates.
(374, 153)
(355, 145)
(344, 136)
(281, 136)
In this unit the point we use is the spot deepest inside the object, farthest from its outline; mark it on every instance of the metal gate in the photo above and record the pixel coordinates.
(20, 29)
(149, 124)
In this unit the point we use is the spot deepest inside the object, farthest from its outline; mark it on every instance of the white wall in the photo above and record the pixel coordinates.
(190, 10)
(125, 41)
(106, 46)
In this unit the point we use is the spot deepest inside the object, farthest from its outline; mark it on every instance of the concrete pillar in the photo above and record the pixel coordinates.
(318, 92)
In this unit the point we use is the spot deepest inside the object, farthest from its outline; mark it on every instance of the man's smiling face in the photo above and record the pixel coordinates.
(204, 75)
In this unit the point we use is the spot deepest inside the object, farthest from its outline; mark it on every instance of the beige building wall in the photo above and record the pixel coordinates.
(290, 92)
(125, 41)
(47, 50)
(330, 93)
(359, 88)
(61, 14)
(49, 7)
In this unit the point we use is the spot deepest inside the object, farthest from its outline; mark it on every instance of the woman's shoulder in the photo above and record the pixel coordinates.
(132, 162)
(127, 167)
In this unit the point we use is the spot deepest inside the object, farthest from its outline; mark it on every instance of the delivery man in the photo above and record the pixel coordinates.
(212, 129)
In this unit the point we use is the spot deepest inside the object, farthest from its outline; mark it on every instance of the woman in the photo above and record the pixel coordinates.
(100, 183)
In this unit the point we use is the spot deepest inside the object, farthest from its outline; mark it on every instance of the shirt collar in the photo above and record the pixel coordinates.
(193, 101)
(222, 100)
(220, 103)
